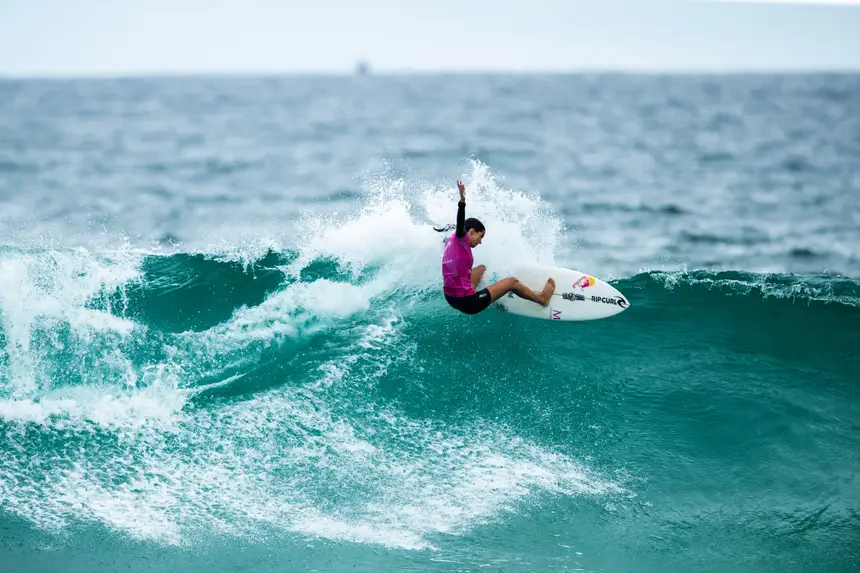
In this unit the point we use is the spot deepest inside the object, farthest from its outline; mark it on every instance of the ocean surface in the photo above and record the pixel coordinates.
(223, 344)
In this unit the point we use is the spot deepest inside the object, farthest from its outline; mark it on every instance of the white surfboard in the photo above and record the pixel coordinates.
(577, 296)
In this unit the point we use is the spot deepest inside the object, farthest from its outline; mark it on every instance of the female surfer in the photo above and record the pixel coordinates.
(460, 279)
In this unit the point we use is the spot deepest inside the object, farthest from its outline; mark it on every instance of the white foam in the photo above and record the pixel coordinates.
(314, 523)
(298, 311)
(105, 411)
(103, 407)
(39, 291)
(393, 229)
(519, 227)
(803, 290)
(137, 507)
(272, 460)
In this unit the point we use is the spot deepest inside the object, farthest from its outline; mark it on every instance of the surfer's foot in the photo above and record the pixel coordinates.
(546, 294)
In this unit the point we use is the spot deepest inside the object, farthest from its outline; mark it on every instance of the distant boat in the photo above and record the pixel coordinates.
(362, 68)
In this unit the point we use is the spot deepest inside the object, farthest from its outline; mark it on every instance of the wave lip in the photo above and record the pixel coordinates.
(771, 286)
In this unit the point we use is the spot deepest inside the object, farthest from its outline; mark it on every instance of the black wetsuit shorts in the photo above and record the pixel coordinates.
(471, 304)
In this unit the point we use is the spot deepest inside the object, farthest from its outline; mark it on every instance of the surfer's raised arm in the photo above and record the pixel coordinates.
(461, 210)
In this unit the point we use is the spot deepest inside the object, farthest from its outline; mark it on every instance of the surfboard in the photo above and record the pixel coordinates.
(577, 296)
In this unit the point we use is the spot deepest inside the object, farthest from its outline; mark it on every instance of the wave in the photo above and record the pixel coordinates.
(327, 390)
(64, 306)
(169, 395)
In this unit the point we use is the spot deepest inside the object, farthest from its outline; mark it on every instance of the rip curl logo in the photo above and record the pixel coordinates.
(615, 300)
(584, 281)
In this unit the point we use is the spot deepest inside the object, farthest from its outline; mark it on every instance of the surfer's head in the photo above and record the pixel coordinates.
(475, 229)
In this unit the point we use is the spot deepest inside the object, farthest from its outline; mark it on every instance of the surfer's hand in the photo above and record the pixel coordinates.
(477, 275)
(462, 189)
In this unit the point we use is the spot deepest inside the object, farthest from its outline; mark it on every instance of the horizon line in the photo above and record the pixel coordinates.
(390, 72)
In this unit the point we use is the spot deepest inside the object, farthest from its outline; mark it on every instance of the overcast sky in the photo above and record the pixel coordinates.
(72, 37)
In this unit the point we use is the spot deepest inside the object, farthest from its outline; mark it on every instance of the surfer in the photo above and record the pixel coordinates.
(460, 279)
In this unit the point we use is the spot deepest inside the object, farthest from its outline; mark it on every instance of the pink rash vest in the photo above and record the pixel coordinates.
(457, 261)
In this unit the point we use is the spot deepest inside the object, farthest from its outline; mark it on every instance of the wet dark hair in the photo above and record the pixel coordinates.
(472, 223)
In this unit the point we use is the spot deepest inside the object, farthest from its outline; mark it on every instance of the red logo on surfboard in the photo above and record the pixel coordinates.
(584, 282)
(555, 314)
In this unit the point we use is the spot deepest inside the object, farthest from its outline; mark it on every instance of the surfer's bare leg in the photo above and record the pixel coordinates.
(512, 284)
(477, 273)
